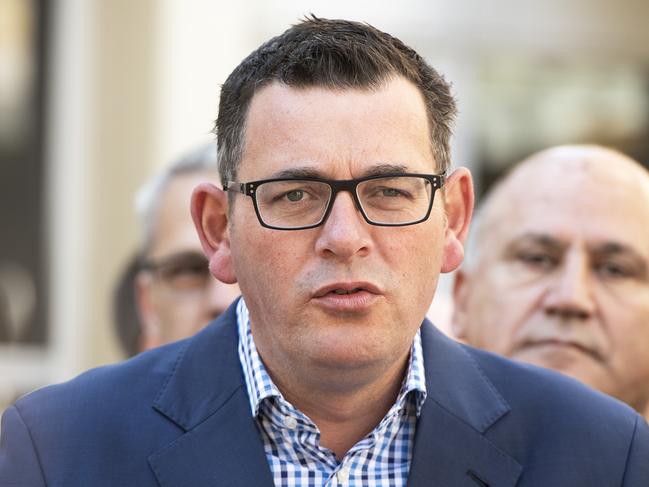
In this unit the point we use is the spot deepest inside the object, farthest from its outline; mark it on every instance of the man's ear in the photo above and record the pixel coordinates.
(209, 208)
(458, 317)
(458, 205)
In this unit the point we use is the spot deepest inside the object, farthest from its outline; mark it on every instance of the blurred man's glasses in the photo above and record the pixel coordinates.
(183, 271)
(391, 200)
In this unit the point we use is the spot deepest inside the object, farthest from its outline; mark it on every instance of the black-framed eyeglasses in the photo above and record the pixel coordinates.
(181, 271)
(390, 200)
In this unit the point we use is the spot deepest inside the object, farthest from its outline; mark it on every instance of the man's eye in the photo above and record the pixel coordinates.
(613, 270)
(295, 195)
(537, 260)
(196, 269)
(390, 192)
(179, 271)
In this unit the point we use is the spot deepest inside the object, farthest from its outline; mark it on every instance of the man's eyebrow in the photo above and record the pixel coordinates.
(310, 172)
(600, 249)
(383, 169)
(617, 248)
(542, 239)
(614, 248)
(297, 173)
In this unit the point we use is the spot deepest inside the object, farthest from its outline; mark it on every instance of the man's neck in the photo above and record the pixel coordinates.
(345, 411)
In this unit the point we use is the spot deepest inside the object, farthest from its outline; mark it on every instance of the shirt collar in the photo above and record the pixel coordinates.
(260, 386)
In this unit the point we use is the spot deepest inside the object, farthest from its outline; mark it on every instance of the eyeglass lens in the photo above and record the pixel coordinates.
(390, 200)
(182, 271)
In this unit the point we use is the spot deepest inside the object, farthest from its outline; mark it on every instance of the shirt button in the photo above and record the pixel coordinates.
(343, 475)
(290, 422)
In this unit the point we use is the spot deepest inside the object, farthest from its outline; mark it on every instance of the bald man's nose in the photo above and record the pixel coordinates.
(570, 294)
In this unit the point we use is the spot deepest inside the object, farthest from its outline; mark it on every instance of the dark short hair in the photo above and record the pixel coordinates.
(337, 54)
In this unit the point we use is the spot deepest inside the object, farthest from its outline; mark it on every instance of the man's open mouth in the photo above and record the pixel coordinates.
(344, 291)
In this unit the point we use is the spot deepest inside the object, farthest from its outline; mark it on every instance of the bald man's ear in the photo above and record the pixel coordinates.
(458, 204)
(210, 214)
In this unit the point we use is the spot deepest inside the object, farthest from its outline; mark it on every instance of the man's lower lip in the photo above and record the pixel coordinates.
(353, 302)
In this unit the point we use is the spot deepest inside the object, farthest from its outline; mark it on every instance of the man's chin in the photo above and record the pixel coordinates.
(570, 360)
(350, 358)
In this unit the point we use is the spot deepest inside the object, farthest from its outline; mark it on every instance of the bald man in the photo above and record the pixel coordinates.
(560, 277)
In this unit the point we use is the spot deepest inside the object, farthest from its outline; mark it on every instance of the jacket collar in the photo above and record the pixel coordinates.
(457, 384)
(450, 445)
(206, 396)
(206, 374)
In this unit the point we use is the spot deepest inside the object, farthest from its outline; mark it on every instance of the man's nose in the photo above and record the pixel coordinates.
(570, 294)
(345, 233)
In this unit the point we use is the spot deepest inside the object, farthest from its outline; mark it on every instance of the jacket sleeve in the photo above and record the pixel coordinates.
(19, 464)
(637, 466)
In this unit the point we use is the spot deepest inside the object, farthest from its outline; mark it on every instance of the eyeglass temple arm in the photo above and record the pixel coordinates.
(235, 187)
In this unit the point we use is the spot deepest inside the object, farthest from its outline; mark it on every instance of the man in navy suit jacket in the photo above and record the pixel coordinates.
(180, 415)
(340, 215)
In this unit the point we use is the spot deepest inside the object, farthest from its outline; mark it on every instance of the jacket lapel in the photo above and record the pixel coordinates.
(206, 396)
(450, 446)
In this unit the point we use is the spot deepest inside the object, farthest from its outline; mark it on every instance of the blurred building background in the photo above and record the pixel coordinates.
(95, 95)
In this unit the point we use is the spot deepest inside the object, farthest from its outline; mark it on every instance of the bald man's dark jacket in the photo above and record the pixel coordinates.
(180, 416)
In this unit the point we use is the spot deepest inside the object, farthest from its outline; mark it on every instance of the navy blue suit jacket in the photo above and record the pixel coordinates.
(179, 416)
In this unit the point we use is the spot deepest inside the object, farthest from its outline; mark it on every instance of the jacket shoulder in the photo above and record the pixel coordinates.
(531, 388)
(125, 386)
(557, 421)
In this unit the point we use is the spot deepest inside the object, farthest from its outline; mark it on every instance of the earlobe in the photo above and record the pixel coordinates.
(209, 209)
(458, 205)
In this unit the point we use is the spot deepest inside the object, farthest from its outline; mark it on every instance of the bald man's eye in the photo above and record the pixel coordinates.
(614, 270)
(537, 260)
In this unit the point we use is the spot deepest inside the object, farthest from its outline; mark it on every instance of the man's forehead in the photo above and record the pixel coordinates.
(288, 128)
(173, 216)
(576, 165)
(562, 222)
(571, 195)
(572, 177)
(178, 191)
(276, 99)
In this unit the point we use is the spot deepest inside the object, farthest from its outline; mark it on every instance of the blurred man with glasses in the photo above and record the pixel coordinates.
(167, 292)
(176, 294)
(337, 213)
(557, 270)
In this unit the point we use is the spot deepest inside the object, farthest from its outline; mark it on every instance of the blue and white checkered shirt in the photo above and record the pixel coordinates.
(292, 440)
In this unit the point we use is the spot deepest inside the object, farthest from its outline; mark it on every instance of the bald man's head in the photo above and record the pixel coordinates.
(557, 269)
(540, 173)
